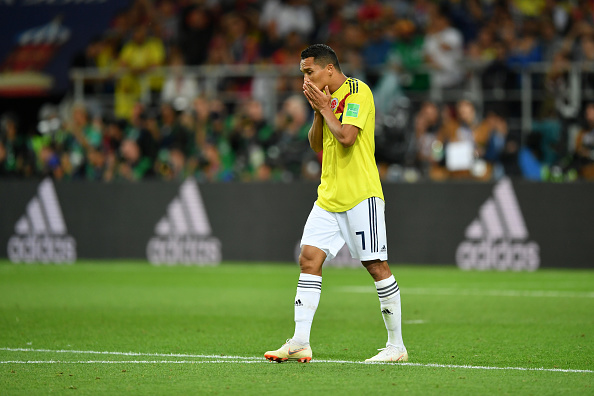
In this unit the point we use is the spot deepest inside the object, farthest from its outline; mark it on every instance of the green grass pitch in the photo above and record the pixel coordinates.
(131, 328)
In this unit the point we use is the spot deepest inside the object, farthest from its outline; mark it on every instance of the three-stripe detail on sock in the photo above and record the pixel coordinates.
(373, 224)
(388, 291)
(309, 284)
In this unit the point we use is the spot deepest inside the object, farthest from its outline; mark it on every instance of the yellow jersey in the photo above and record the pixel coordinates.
(349, 174)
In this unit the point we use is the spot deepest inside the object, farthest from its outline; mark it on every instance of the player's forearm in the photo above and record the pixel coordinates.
(315, 135)
(345, 136)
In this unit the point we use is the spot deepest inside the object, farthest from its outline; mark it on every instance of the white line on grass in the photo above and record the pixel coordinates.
(128, 361)
(414, 321)
(240, 359)
(177, 355)
(475, 292)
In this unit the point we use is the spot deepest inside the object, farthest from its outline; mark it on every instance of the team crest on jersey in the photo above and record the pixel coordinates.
(333, 103)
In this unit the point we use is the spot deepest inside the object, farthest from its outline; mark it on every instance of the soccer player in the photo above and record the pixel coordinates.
(350, 204)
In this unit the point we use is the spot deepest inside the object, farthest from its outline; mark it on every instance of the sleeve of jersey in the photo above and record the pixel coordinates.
(356, 110)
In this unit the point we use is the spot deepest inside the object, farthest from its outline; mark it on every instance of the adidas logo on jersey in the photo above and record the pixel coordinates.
(41, 234)
(184, 233)
(497, 239)
(298, 303)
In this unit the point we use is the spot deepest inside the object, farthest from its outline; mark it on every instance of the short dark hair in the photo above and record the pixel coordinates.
(322, 54)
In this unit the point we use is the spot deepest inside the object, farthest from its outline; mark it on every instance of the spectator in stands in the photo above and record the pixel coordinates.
(212, 148)
(133, 166)
(270, 41)
(469, 16)
(443, 50)
(218, 52)
(112, 141)
(552, 41)
(530, 156)
(406, 56)
(97, 166)
(525, 49)
(149, 138)
(428, 149)
(48, 163)
(250, 139)
(562, 88)
(370, 12)
(377, 45)
(179, 89)
(172, 133)
(459, 132)
(490, 137)
(587, 64)
(89, 58)
(487, 137)
(209, 165)
(242, 43)
(330, 19)
(483, 48)
(286, 54)
(292, 148)
(136, 121)
(13, 147)
(195, 34)
(498, 81)
(467, 123)
(139, 55)
(584, 12)
(83, 135)
(584, 145)
(167, 19)
(288, 16)
(522, 9)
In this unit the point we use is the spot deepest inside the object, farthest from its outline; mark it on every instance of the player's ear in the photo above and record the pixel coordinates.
(330, 69)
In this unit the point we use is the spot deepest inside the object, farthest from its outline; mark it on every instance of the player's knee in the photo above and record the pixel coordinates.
(377, 269)
(306, 264)
(310, 263)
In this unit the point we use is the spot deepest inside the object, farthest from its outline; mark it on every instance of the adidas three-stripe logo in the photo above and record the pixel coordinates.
(41, 233)
(353, 85)
(497, 238)
(183, 235)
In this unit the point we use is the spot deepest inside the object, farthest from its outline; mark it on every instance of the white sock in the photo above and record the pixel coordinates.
(307, 299)
(389, 296)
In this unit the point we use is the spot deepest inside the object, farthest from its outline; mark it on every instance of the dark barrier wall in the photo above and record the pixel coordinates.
(426, 222)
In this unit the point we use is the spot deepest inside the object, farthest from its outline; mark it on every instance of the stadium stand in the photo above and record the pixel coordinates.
(212, 89)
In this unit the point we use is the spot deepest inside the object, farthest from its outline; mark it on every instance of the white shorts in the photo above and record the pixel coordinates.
(362, 228)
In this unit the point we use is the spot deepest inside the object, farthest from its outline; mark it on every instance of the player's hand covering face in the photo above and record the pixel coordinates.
(314, 84)
(314, 73)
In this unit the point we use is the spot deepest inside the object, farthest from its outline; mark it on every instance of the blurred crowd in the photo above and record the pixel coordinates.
(167, 125)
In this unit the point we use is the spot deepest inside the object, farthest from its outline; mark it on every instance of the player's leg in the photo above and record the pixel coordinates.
(366, 237)
(389, 296)
(321, 239)
(309, 289)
